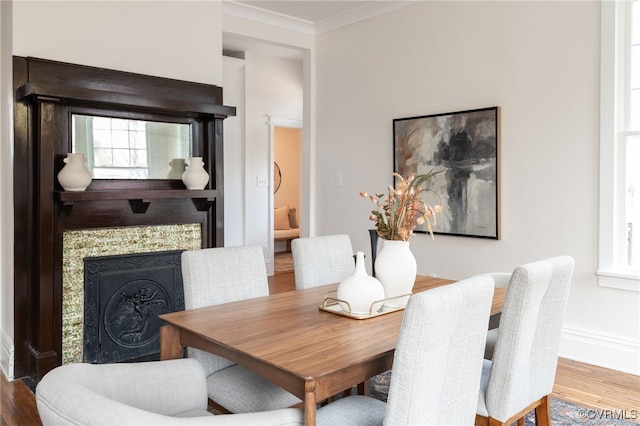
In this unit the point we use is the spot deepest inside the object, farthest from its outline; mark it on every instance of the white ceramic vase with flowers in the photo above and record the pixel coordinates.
(396, 216)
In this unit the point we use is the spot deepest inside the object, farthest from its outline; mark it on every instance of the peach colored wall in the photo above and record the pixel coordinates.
(287, 155)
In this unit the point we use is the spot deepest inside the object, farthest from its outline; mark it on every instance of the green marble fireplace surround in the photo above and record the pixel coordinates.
(108, 242)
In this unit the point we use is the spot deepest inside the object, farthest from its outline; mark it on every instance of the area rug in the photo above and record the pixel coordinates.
(282, 262)
(562, 413)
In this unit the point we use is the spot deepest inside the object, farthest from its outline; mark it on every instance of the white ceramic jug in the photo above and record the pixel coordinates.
(195, 177)
(360, 290)
(74, 176)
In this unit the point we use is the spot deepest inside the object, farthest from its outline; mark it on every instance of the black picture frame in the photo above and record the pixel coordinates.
(277, 177)
(465, 146)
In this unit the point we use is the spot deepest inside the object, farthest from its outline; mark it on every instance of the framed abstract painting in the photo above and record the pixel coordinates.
(464, 146)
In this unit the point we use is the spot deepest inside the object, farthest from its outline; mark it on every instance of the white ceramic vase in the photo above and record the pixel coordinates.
(74, 176)
(360, 290)
(396, 269)
(195, 177)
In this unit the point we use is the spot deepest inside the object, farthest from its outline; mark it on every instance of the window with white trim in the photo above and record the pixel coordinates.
(619, 257)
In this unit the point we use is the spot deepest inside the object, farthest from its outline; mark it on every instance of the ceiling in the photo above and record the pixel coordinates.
(312, 11)
(306, 16)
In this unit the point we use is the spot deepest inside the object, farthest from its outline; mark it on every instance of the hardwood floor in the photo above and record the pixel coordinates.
(596, 387)
(18, 407)
(578, 383)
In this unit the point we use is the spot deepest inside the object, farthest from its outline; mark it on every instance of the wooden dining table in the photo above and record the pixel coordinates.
(287, 339)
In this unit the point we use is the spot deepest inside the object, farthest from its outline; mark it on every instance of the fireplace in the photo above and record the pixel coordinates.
(122, 300)
(139, 252)
(47, 94)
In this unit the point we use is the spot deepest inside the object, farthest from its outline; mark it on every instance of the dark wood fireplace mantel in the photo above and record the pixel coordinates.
(139, 199)
(46, 94)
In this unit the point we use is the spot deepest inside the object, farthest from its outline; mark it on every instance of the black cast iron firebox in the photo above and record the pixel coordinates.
(123, 296)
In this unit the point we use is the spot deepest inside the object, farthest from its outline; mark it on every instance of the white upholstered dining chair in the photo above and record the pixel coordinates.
(322, 260)
(520, 376)
(500, 280)
(145, 393)
(220, 275)
(437, 363)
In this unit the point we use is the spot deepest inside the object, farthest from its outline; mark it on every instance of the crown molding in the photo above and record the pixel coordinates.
(252, 13)
(359, 14)
(245, 11)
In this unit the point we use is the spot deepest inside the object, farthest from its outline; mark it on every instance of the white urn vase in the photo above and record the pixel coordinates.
(195, 176)
(360, 290)
(74, 176)
(396, 269)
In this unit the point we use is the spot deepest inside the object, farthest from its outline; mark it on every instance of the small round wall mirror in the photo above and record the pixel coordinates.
(277, 177)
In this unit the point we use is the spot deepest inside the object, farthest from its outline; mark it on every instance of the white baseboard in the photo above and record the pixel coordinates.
(603, 350)
(7, 354)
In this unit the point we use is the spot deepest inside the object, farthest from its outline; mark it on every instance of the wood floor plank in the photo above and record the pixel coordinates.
(596, 387)
(18, 404)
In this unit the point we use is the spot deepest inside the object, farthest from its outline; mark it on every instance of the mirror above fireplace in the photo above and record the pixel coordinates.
(127, 148)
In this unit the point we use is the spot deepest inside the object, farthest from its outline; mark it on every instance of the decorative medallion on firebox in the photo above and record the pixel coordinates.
(123, 297)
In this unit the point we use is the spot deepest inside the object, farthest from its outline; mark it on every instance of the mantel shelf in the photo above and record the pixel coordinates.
(139, 199)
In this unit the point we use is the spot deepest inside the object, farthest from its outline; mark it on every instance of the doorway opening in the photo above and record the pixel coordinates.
(287, 161)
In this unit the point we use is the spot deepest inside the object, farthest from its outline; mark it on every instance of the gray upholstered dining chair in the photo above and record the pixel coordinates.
(220, 275)
(500, 280)
(437, 363)
(145, 393)
(322, 260)
(520, 376)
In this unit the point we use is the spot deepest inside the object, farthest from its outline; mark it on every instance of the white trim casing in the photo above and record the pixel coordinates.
(611, 194)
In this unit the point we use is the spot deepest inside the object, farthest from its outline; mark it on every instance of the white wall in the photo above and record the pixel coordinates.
(257, 34)
(174, 39)
(435, 57)
(234, 153)
(273, 88)
(6, 192)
